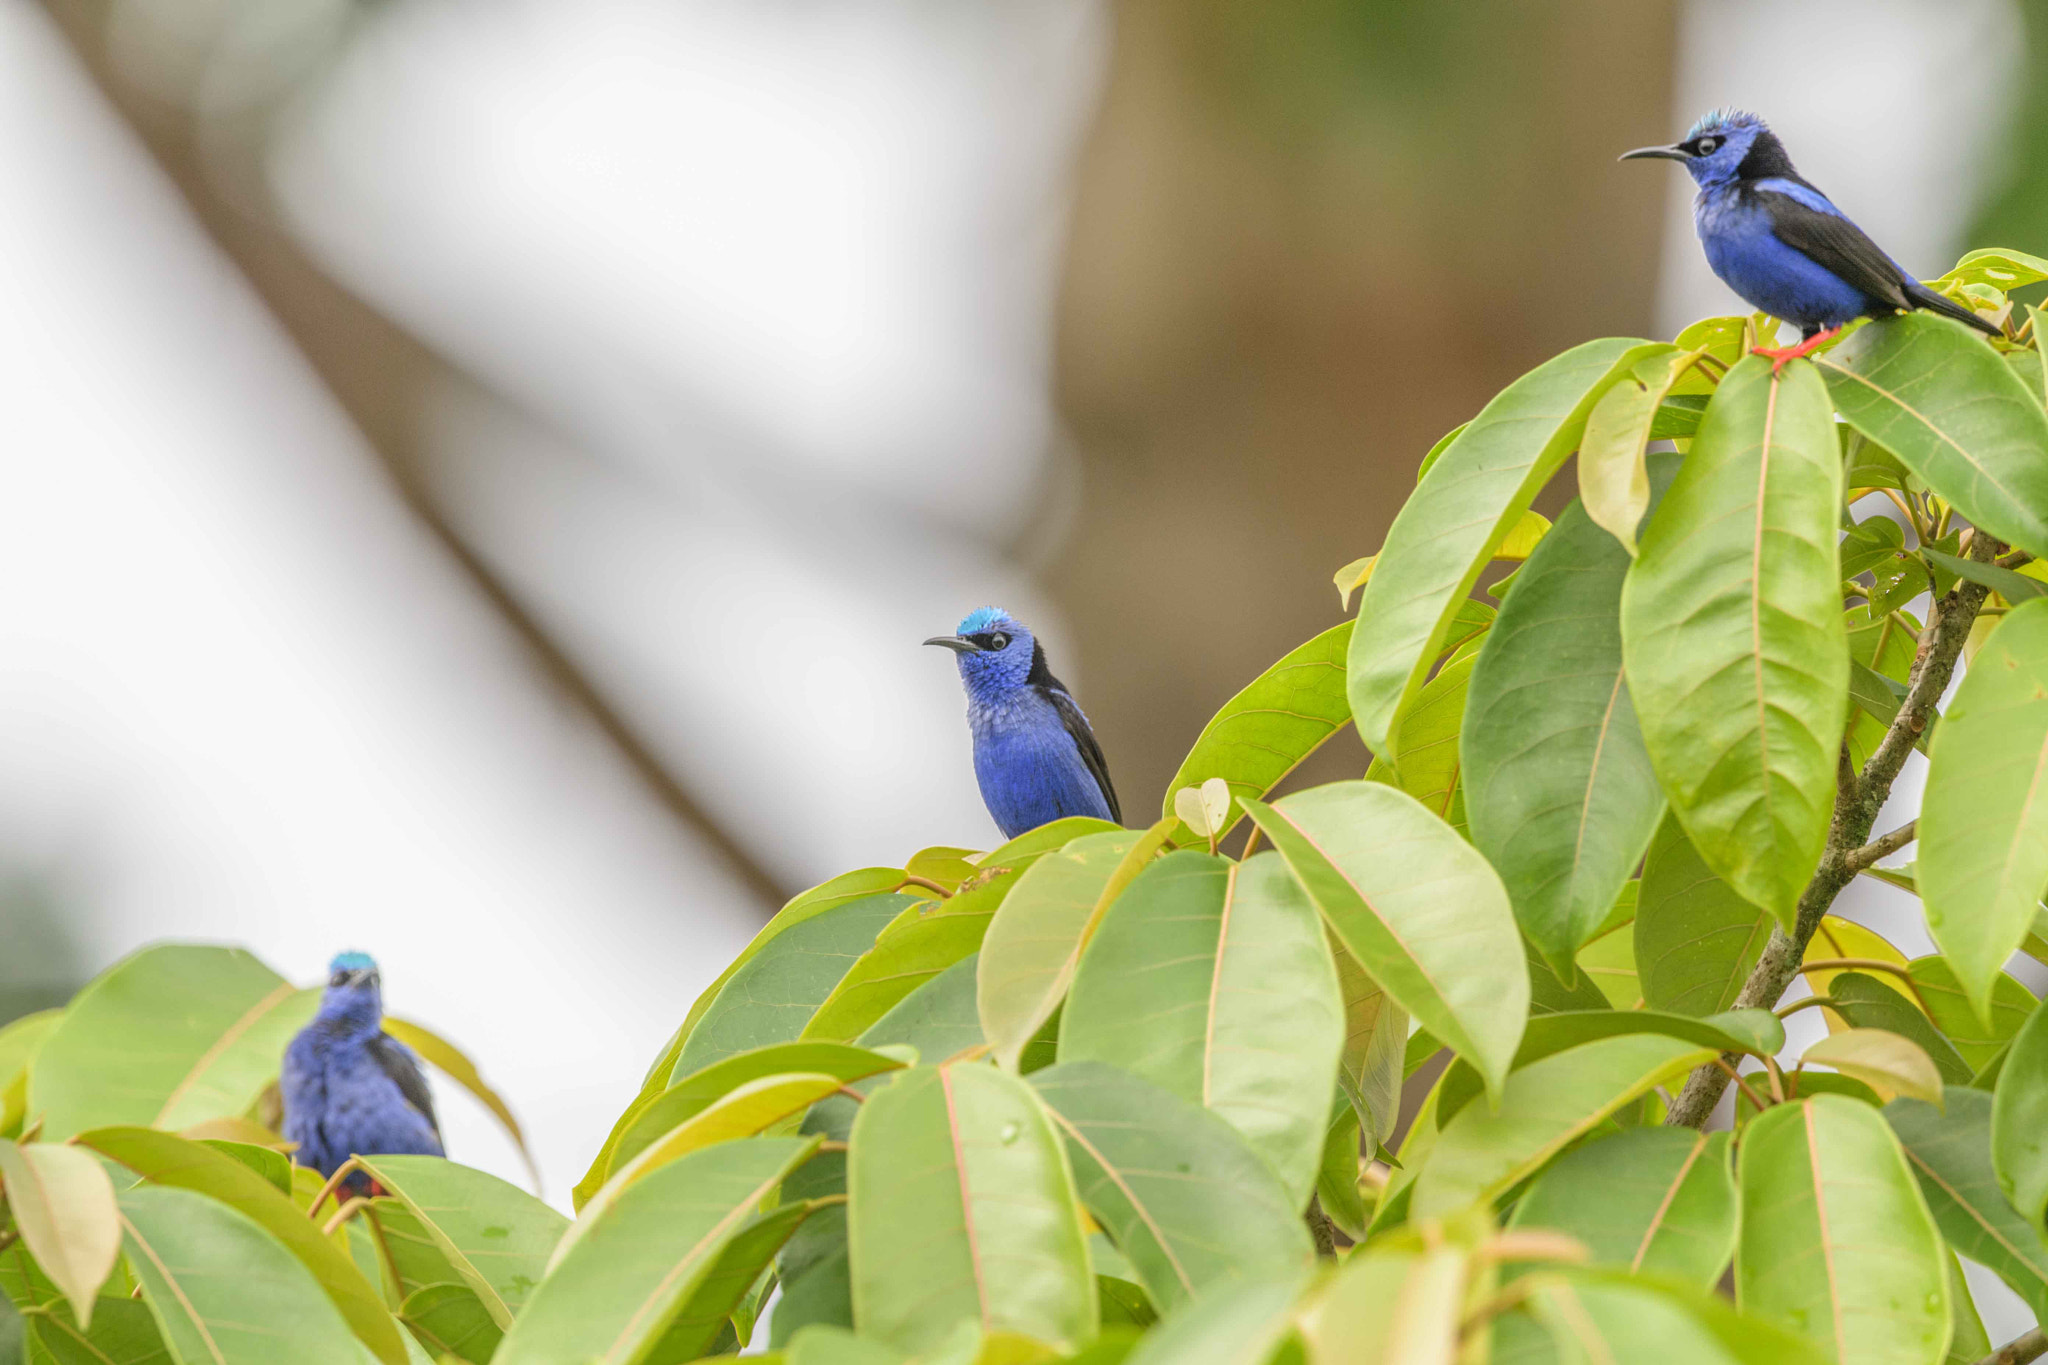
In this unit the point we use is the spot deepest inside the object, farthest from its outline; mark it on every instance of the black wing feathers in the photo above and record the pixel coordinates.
(1084, 739)
(1837, 244)
(402, 1067)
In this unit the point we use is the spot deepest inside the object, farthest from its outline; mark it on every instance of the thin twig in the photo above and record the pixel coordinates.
(925, 882)
(1742, 1085)
(1854, 964)
(1882, 847)
(1787, 1011)
(355, 1205)
(2030, 1345)
(852, 1094)
(341, 1173)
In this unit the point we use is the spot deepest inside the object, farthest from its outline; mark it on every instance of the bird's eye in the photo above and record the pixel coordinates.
(1708, 144)
(998, 641)
(338, 979)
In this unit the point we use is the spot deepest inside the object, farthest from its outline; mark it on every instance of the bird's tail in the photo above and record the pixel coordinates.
(1923, 297)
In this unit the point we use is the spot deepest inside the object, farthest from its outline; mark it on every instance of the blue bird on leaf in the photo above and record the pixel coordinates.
(351, 1089)
(1779, 243)
(1034, 755)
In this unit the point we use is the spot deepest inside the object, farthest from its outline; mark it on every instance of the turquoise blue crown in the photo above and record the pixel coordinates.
(983, 618)
(1719, 120)
(352, 962)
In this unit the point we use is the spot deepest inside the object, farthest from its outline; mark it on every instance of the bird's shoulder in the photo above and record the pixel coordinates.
(1773, 190)
(399, 1062)
(1075, 723)
(1804, 219)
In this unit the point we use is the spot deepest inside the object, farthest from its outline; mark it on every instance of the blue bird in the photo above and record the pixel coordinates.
(1779, 243)
(1034, 755)
(351, 1089)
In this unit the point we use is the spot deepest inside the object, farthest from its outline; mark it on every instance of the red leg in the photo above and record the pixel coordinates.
(1780, 356)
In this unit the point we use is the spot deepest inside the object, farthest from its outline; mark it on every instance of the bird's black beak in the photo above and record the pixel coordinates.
(1656, 154)
(959, 644)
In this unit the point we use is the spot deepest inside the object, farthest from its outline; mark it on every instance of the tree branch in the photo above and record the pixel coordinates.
(1883, 846)
(1857, 803)
(2028, 1346)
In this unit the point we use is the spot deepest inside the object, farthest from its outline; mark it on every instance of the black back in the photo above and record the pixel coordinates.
(397, 1062)
(1076, 724)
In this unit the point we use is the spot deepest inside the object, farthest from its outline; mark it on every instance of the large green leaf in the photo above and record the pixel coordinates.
(1836, 1241)
(1950, 1151)
(1239, 1324)
(1983, 856)
(1029, 955)
(1559, 791)
(1390, 1306)
(615, 1292)
(1696, 939)
(168, 1160)
(962, 1208)
(62, 1204)
(1601, 1315)
(1614, 475)
(1418, 907)
(1655, 1200)
(1544, 1107)
(124, 1332)
(224, 1291)
(1865, 1001)
(1977, 1043)
(2019, 1121)
(168, 1037)
(496, 1236)
(1265, 731)
(1465, 505)
(1186, 1200)
(1945, 403)
(450, 1320)
(724, 1289)
(1212, 980)
(773, 996)
(1731, 619)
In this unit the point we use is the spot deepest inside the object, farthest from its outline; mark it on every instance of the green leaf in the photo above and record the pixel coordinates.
(1184, 1197)
(1029, 956)
(1239, 1324)
(961, 1207)
(63, 1205)
(1889, 1063)
(224, 1291)
(1657, 1201)
(1544, 1107)
(123, 1333)
(722, 1292)
(1732, 632)
(273, 1165)
(2019, 1121)
(1609, 962)
(1983, 855)
(1473, 494)
(1418, 907)
(1337, 1177)
(1969, 1343)
(773, 996)
(496, 1236)
(1595, 1315)
(2000, 267)
(450, 1320)
(167, 1037)
(168, 1160)
(1558, 787)
(1865, 1001)
(1371, 1068)
(459, 1068)
(1935, 982)
(1836, 1242)
(2016, 587)
(1696, 939)
(1212, 980)
(827, 1345)
(1429, 727)
(1389, 1306)
(615, 1291)
(1950, 1152)
(1936, 396)
(1265, 731)
(1614, 475)
(19, 1043)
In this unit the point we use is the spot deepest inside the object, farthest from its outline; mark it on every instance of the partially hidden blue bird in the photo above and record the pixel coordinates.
(1779, 243)
(1034, 754)
(350, 1088)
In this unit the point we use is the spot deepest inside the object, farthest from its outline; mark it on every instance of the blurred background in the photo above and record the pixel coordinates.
(477, 472)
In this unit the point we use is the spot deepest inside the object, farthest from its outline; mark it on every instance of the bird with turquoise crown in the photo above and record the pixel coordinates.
(350, 1088)
(1781, 244)
(1035, 756)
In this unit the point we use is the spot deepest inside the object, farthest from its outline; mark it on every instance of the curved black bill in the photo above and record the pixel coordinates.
(959, 644)
(1654, 153)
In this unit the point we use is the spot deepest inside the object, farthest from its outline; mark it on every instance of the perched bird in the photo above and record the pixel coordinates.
(351, 1089)
(1034, 755)
(1777, 241)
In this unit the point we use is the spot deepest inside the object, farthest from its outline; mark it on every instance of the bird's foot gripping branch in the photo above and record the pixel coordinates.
(1423, 1072)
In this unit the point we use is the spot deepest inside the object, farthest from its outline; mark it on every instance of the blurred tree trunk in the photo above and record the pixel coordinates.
(1309, 239)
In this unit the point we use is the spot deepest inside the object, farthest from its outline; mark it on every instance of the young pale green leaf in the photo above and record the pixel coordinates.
(224, 1291)
(1863, 1001)
(1614, 475)
(495, 1236)
(1418, 907)
(1950, 1151)
(1391, 1306)
(2000, 267)
(1836, 1242)
(1935, 395)
(63, 1205)
(1430, 764)
(1035, 941)
(1204, 809)
(1473, 494)
(1265, 731)
(1371, 1069)
(1658, 1201)
(1935, 983)
(1558, 787)
(168, 1037)
(1185, 1198)
(1239, 1324)
(1211, 979)
(1544, 1107)
(1983, 856)
(613, 1295)
(1732, 633)
(1609, 962)
(166, 1159)
(962, 1207)
(459, 1068)
(2019, 1121)
(1889, 1063)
